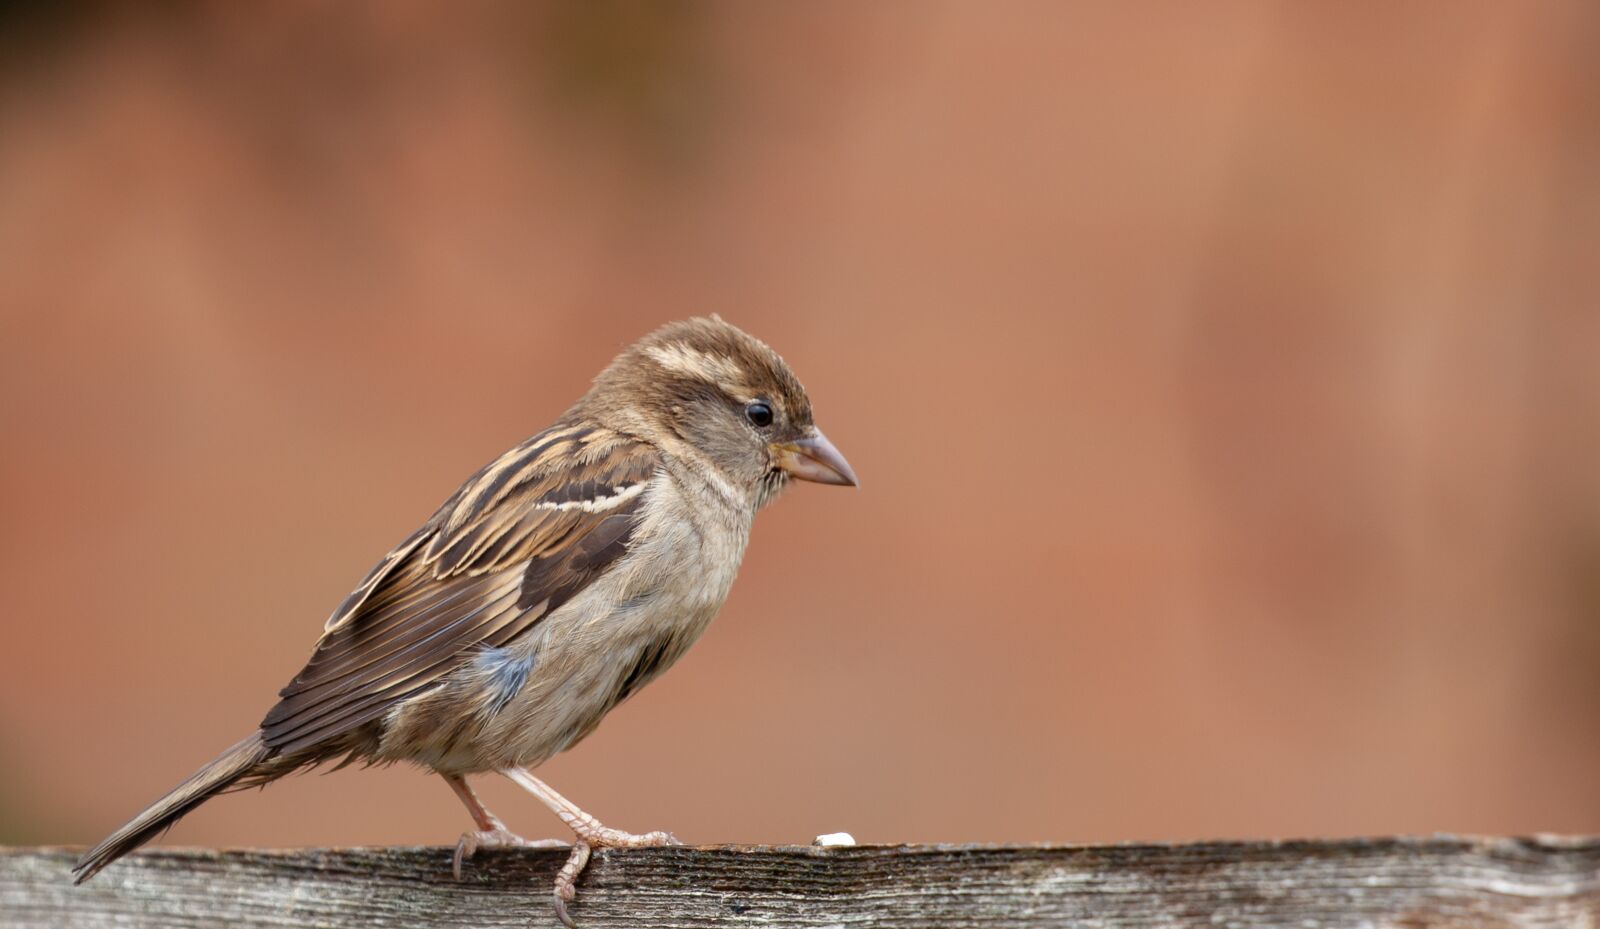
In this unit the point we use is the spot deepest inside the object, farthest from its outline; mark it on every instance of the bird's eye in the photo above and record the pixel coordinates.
(759, 413)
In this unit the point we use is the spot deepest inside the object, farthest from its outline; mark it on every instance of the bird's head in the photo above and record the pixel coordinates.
(728, 398)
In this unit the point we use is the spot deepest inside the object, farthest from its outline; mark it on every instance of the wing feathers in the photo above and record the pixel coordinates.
(559, 578)
(370, 583)
(379, 691)
(524, 536)
(393, 635)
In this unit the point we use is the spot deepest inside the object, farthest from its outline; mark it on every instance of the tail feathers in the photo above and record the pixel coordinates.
(226, 769)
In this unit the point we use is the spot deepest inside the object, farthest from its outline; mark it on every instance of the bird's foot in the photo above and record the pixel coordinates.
(591, 835)
(595, 833)
(495, 838)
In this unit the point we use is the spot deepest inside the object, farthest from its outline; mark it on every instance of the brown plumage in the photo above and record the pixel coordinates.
(556, 582)
(443, 590)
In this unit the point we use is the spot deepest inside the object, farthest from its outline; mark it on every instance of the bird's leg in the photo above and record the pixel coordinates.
(591, 833)
(492, 833)
(587, 827)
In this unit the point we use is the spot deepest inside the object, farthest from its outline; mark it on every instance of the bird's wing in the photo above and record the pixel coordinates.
(522, 537)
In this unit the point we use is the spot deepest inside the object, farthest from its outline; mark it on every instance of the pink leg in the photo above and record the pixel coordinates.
(492, 833)
(586, 826)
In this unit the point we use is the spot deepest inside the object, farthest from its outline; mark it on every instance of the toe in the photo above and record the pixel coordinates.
(544, 843)
(462, 853)
(566, 888)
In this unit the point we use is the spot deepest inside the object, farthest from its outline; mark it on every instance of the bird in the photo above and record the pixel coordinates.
(557, 582)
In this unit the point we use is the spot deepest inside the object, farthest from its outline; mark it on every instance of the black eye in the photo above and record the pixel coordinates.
(759, 413)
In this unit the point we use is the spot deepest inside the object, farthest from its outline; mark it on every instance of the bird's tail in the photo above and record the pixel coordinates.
(223, 771)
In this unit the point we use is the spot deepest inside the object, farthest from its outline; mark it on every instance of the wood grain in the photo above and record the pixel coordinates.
(1414, 883)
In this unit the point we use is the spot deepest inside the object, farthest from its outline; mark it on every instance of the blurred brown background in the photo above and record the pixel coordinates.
(1223, 380)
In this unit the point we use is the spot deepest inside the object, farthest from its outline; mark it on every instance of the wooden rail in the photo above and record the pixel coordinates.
(1401, 882)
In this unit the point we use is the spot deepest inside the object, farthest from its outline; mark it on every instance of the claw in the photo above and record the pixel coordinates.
(566, 889)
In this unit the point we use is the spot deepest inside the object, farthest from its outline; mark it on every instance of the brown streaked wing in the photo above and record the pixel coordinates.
(523, 536)
(528, 503)
(368, 584)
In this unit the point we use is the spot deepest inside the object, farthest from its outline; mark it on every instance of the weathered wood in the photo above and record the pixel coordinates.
(1411, 883)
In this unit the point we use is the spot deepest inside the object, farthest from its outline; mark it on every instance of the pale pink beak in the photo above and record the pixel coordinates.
(814, 458)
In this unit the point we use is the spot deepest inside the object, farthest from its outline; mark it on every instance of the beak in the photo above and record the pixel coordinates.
(814, 458)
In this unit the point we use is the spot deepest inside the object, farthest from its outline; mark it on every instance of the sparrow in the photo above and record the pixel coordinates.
(553, 585)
